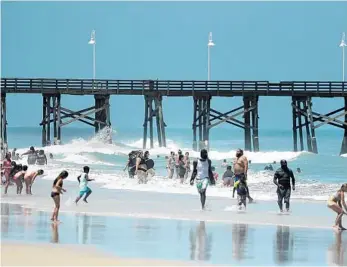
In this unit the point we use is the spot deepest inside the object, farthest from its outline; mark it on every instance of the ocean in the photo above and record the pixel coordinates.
(321, 174)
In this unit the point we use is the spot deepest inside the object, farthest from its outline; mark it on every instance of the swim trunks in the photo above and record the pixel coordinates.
(202, 184)
(85, 190)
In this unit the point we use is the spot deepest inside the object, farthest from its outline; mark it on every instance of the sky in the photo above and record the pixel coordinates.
(168, 40)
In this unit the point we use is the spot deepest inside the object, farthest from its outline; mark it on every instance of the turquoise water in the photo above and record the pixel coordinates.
(214, 243)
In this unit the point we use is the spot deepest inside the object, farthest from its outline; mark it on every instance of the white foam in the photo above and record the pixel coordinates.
(344, 155)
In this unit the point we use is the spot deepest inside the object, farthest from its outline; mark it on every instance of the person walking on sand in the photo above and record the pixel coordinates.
(241, 169)
(282, 179)
(29, 179)
(337, 202)
(18, 177)
(83, 180)
(202, 172)
(58, 189)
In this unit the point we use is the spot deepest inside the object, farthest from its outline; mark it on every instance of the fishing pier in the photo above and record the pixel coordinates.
(204, 118)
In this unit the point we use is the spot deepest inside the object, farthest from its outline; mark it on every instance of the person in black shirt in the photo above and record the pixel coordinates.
(282, 180)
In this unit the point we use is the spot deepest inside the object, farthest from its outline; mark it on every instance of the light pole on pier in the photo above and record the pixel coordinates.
(209, 45)
(92, 42)
(343, 45)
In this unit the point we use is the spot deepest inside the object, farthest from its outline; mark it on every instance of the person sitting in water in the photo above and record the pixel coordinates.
(29, 179)
(41, 158)
(83, 180)
(337, 202)
(228, 177)
(18, 178)
(242, 192)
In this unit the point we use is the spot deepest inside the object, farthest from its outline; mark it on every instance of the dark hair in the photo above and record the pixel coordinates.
(229, 168)
(32, 148)
(19, 167)
(40, 172)
(213, 168)
(64, 174)
(25, 168)
(180, 157)
(86, 169)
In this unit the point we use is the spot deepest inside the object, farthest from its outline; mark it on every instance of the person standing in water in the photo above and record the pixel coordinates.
(241, 169)
(171, 165)
(202, 172)
(337, 202)
(179, 153)
(83, 180)
(7, 166)
(141, 168)
(181, 168)
(29, 179)
(187, 163)
(55, 194)
(282, 179)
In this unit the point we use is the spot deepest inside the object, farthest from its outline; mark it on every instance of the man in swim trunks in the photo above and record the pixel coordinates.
(241, 169)
(202, 172)
(282, 179)
(29, 179)
(83, 180)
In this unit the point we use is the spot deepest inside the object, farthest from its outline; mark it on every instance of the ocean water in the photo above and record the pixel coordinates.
(321, 175)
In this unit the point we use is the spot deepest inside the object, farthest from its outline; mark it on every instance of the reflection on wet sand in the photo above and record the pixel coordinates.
(283, 245)
(337, 252)
(200, 243)
(239, 237)
(55, 233)
(83, 229)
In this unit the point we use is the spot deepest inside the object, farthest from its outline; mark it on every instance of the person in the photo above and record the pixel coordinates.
(202, 172)
(32, 155)
(224, 164)
(18, 178)
(187, 164)
(50, 155)
(29, 179)
(7, 167)
(241, 188)
(215, 176)
(150, 165)
(83, 180)
(179, 153)
(282, 179)
(241, 169)
(268, 168)
(41, 158)
(228, 177)
(58, 189)
(337, 202)
(181, 168)
(18, 157)
(171, 165)
(141, 168)
(131, 163)
(14, 154)
(298, 170)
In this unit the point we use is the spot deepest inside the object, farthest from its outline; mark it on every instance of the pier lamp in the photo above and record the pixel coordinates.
(92, 42)
(209, 45)
(343, 45)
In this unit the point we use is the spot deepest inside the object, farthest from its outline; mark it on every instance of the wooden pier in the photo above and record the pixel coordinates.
(204, 117)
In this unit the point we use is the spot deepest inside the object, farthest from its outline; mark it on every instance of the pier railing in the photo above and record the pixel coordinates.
(172, 87)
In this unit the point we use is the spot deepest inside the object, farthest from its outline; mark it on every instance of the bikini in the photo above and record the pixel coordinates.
(54, 194)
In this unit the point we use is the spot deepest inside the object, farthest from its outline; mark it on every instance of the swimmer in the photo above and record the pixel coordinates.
(298, 170)
(282, 179)
(224, 164)
(58, 189)
(202, 172)
(228, 177)
(18, 177)
(337, 202)
(29, 179)
(83, 180)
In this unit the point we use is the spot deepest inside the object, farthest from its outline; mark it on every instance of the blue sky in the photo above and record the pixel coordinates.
(168, 40)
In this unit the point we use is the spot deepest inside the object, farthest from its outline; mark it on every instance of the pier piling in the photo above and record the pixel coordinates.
(3, 125)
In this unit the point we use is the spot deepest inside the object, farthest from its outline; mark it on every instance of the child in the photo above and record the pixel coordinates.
(215, 175)
(241, 188)
(228, 177)
(181, 168)
(83, 180)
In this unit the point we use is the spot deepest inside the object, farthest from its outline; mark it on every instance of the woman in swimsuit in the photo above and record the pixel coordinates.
(335, 203)
(55, 194)
(6, 166)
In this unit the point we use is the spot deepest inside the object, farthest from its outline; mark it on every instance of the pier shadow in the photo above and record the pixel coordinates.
(337, 252)
(200, 243)
(239, 241)
(283, 245)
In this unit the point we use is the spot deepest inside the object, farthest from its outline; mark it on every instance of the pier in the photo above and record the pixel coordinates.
(305, 117)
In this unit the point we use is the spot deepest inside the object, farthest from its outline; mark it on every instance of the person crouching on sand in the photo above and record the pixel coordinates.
(58, 189)
(83, 180)
(29, 179)
(335, 203)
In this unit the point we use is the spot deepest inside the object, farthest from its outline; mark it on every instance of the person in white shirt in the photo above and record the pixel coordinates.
(83, 180)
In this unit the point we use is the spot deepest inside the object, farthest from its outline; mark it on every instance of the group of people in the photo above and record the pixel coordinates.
(180, 164)
(18, 174)
(141, 165)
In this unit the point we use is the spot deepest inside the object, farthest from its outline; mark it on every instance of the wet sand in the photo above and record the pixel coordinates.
(69, 255)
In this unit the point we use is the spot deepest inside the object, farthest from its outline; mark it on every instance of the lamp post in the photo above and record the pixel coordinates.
(92, 42)
(209, 45)
(343, 45)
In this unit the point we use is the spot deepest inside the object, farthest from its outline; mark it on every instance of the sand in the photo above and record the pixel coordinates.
(19, 254)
